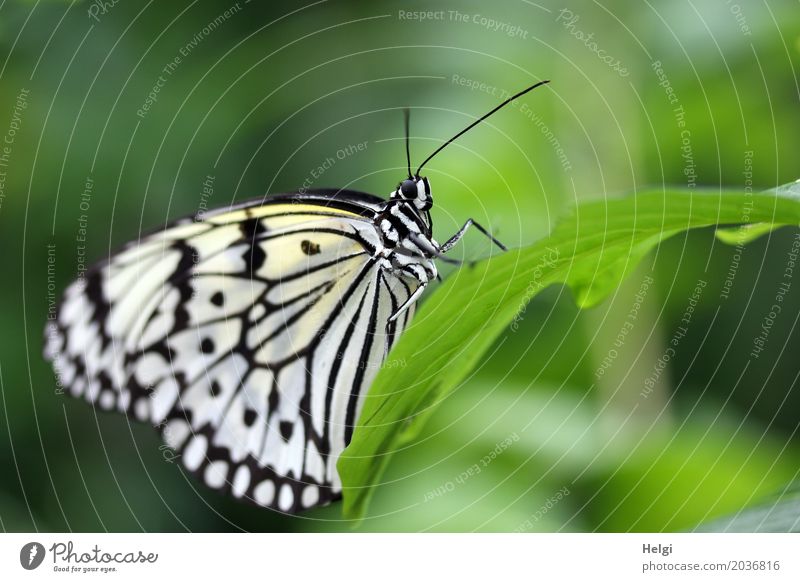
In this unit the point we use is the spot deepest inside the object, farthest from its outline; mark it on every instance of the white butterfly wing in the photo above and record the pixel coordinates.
(249, 338)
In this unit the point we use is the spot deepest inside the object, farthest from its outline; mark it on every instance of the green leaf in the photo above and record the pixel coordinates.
(741, 235)
(781, 514)
(591, 250)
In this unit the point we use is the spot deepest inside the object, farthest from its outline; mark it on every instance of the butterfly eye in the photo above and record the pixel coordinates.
(409, 189)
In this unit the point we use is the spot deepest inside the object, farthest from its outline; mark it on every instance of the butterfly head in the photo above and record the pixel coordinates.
(415, 190)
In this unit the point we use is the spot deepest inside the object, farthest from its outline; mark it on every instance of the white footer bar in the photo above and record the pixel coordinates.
(401, 557)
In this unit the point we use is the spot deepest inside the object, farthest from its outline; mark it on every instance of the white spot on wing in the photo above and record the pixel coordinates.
(141, 410)
(286, 497)
(195, 452)
(163, 399)
(310, 495)
(106, 400)
(176, 432)
(216, 473)
(264, 492)
(123, 400)
(241, 481)
(78, 386)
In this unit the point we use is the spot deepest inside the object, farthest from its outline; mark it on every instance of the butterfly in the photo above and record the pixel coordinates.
(248, 336)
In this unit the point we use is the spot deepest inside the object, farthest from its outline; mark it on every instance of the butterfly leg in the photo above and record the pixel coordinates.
(451, 242)
(431, 248)
(409, 302)
(422, 272)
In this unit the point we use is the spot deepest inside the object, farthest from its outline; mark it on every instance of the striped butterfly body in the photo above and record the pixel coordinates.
(249, 336)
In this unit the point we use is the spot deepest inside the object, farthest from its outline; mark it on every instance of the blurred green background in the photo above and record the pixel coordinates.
(264, 94)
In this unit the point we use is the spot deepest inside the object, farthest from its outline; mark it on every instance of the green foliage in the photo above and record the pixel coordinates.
(745, 233)
(591, 251)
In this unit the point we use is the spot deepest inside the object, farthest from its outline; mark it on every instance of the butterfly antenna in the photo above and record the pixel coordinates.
(407, 117)
(477, 121)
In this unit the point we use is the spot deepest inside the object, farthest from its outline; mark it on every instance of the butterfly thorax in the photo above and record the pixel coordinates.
(405, 227)
(407, 210)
